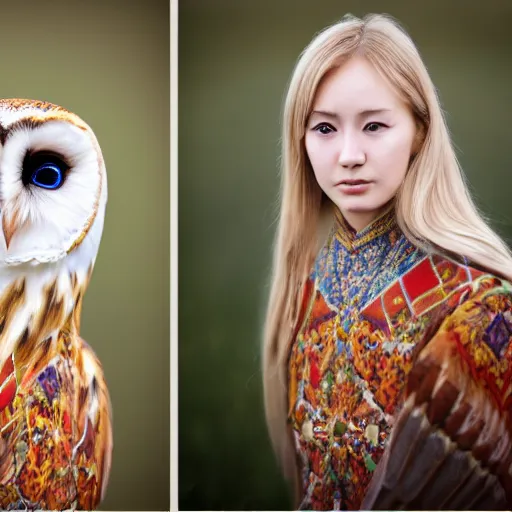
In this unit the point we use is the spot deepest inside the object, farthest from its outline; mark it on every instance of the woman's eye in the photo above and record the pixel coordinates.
(373, 127)
(44, 170)
(324, 129)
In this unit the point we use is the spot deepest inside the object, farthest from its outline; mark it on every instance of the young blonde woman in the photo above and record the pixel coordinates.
(387, 351)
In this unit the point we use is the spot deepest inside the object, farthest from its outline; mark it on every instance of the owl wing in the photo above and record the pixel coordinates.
(92, 453)
(450, 447)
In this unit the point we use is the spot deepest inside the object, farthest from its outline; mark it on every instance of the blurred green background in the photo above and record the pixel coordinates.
(109, 63)
(235, 59)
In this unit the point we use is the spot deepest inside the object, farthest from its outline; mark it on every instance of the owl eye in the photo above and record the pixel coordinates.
(44, 170)
(47, 176)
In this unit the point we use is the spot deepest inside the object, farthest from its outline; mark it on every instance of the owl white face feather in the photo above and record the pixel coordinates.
(52, 183)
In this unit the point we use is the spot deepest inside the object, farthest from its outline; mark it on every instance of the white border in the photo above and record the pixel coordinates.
(174, 256)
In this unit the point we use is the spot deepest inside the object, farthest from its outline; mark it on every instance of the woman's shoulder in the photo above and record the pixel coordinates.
(434, 283)
(459, 283)
(480, 326)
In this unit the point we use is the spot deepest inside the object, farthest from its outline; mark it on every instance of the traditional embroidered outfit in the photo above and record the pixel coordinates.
(369, 301)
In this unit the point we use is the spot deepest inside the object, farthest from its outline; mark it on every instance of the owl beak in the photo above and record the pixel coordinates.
(9, 227)
(8, 232)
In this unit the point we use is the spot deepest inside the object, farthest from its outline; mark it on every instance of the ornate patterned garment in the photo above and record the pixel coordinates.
(370, 301)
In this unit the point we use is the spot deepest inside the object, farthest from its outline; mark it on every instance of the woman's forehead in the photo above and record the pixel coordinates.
(355, 87)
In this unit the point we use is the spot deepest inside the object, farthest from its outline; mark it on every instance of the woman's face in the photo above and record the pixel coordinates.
(359, 139)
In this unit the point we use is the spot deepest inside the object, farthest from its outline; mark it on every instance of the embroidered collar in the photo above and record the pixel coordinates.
(352, 239)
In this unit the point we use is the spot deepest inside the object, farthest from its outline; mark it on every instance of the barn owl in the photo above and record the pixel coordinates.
(55, 412)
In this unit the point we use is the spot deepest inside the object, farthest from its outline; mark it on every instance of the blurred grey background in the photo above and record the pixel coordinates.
(109, 63)
(235, 60)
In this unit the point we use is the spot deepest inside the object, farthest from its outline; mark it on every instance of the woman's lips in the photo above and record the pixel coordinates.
(354, 186)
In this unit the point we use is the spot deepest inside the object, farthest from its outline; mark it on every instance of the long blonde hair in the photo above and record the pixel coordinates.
(433, 207)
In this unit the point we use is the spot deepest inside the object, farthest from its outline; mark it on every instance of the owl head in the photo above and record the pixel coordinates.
(53, 187)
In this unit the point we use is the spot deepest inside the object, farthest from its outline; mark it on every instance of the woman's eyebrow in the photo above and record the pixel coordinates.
(373, 111)
(324, 113)
(361, 114)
